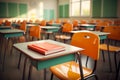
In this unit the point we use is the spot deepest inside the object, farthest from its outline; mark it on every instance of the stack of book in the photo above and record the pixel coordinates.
(46, 48)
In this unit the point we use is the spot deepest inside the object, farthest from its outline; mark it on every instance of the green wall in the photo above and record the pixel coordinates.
(3, 11)
(9, 9)
(64, 11)
(104, 8)
(48, 14)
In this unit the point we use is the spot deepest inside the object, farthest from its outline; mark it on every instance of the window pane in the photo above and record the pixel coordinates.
(85, 8)
(74, 0)
(75, 9)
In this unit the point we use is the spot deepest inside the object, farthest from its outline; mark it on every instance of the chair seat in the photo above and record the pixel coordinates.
(69, 71)
(111, 48)
(22, 39)
(64, 37)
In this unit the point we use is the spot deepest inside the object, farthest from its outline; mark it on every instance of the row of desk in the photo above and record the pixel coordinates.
(5, 34)
(40, 61)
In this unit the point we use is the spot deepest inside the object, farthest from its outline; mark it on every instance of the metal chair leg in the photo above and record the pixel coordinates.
(51, 77)
(109, 62)
(4, 55)
(24, 69)
(103, 56)
(19, 61)
(115, 59)
(117, 73)
(96, 77)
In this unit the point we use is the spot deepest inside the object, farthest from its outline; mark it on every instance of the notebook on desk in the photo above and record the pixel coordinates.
(46, 48)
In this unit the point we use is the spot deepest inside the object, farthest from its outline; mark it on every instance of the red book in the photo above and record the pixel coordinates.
(46, 48)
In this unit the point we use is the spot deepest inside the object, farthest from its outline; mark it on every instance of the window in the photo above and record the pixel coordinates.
(80, 8)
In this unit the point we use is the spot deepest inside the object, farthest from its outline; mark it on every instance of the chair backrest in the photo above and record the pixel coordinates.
(83, 21)
(114, 32)
(75, 23)
(43, 23)
(30, 21)
(22, 39)
(67, 27)
(18, 22)
(23, 26)
(117, 22)
(58, 21)
(109, 21)
(35, 31)
(7, 23)
(37, 21)
(65, 21)
(50, 22)
(89, 42)
(92, 21)
(98, 21)
(100, 25)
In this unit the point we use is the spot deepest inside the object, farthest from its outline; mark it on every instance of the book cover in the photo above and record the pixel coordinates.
(46, 48)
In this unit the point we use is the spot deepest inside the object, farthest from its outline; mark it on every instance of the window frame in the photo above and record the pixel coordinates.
(80, 1)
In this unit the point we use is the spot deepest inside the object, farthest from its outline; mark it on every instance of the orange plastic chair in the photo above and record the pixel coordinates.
(75, 24)
(23, 27)
(109, 21)
(8, 23)
(101, 25)
(37, 21)
(50, 22)
(43, 23)
(64, 34)
(114, 36)
(98, 21)
(64, 21)
(35, 32)
(83, 21)
(57, 21)
(72, 70)
(117, 22)
(92, 21)
(1, 22)
(30, 21)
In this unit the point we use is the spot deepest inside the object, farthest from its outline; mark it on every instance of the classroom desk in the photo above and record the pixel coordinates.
(55, 24)
(40, 61)
(16, 25)
(88, 26)
(49, 30)
(5, 27)
(4, 36)
(103, 36)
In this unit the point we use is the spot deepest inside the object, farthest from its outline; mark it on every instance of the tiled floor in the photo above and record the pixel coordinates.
(13, 73)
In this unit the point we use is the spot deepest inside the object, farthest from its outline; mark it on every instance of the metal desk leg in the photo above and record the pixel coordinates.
(30, 72)
(80, 65)
(19, 60)
(4, 55)
(24, 69)
(45, 74)
(109, 55)
(1, 46)
(118, 69)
